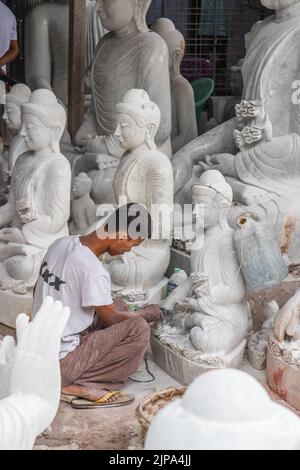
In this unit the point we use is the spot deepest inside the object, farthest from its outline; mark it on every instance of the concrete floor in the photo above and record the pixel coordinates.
(115, 429)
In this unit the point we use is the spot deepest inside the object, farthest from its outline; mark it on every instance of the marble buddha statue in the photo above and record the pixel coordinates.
(19, 94)
(47, 45)
(210, 304)
(38, 206)
(144, 176)
(128, 57)
(224, 410)
(83, 208)
(184, 125)
(270, 70)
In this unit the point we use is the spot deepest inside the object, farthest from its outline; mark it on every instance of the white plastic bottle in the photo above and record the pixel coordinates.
(177, 278)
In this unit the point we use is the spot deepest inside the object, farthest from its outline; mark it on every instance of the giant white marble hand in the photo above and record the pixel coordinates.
(30, 376)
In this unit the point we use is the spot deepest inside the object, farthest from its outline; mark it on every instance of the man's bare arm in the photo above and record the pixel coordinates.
(11, 54)
(110, 315)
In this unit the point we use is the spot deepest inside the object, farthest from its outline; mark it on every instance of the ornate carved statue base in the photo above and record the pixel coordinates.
(283, 357)
(175, 354)
(283, 372)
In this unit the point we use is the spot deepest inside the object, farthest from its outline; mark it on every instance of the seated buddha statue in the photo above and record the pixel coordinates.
(144, 176)
(184, 124)
(271, 47)
(128, 57)
(211, 302)
(38, 206)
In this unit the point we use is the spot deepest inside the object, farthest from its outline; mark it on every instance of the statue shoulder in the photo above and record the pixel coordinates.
(158, 162)
(152, 41)
(256, 29)
(104, 40)
(59, 162)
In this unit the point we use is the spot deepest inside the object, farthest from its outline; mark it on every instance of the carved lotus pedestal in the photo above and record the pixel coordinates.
(283, 372)
(185, 370)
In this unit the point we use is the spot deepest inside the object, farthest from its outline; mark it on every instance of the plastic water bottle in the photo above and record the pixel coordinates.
(177, 278)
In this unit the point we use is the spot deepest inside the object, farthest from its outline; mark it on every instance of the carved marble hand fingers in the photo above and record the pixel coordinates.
(49, 321)
(7, 351)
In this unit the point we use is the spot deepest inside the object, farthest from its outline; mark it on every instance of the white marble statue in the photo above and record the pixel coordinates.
(18, 95)
(30, 376)
(144, 176)
(94, 31)
(272, 166)
(47, 45)
(184, 124)
(224, 410)
(83, 208)
(128, 57)
(211, 303)
(38, 206)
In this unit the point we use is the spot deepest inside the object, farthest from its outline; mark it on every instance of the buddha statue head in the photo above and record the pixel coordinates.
(212, 197)
(18, 95)
(138, 120)
(81, 186)
(44, 121)
(115, 15)
(278, 4)
(175, 42)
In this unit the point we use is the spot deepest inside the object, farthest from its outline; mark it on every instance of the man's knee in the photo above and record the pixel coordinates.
(142, 331)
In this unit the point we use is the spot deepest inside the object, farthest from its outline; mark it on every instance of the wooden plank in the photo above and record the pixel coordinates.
(76, 65)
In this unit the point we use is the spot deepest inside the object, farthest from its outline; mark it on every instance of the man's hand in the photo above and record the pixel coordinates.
(150, 313)
(110, 314)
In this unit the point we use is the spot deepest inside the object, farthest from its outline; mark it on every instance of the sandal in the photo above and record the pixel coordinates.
(120, 399)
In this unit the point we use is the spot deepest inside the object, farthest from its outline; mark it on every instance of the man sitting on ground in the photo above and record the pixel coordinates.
(103, 343)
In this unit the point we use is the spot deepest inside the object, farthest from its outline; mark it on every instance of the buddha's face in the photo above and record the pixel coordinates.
(36, 135)
(115, 14)
(128, 133)
(80, 187)
(13, 116)
(206, 214)
(278, 4)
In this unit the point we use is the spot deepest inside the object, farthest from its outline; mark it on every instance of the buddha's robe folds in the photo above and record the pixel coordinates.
(39, 205)
(223, 314)
(271, 67)
(140, 61)
(217, 261)
(272, 166)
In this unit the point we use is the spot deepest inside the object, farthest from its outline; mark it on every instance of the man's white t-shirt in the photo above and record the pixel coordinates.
(71, 273)
(8, 29)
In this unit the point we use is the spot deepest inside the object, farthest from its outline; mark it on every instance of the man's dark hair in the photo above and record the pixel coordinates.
(131, 218)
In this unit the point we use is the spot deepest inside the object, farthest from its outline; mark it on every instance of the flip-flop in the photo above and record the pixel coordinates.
(68, 398)
(121, 399)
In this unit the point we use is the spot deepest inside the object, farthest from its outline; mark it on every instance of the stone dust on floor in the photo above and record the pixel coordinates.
(107, 428)
(116, 428)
